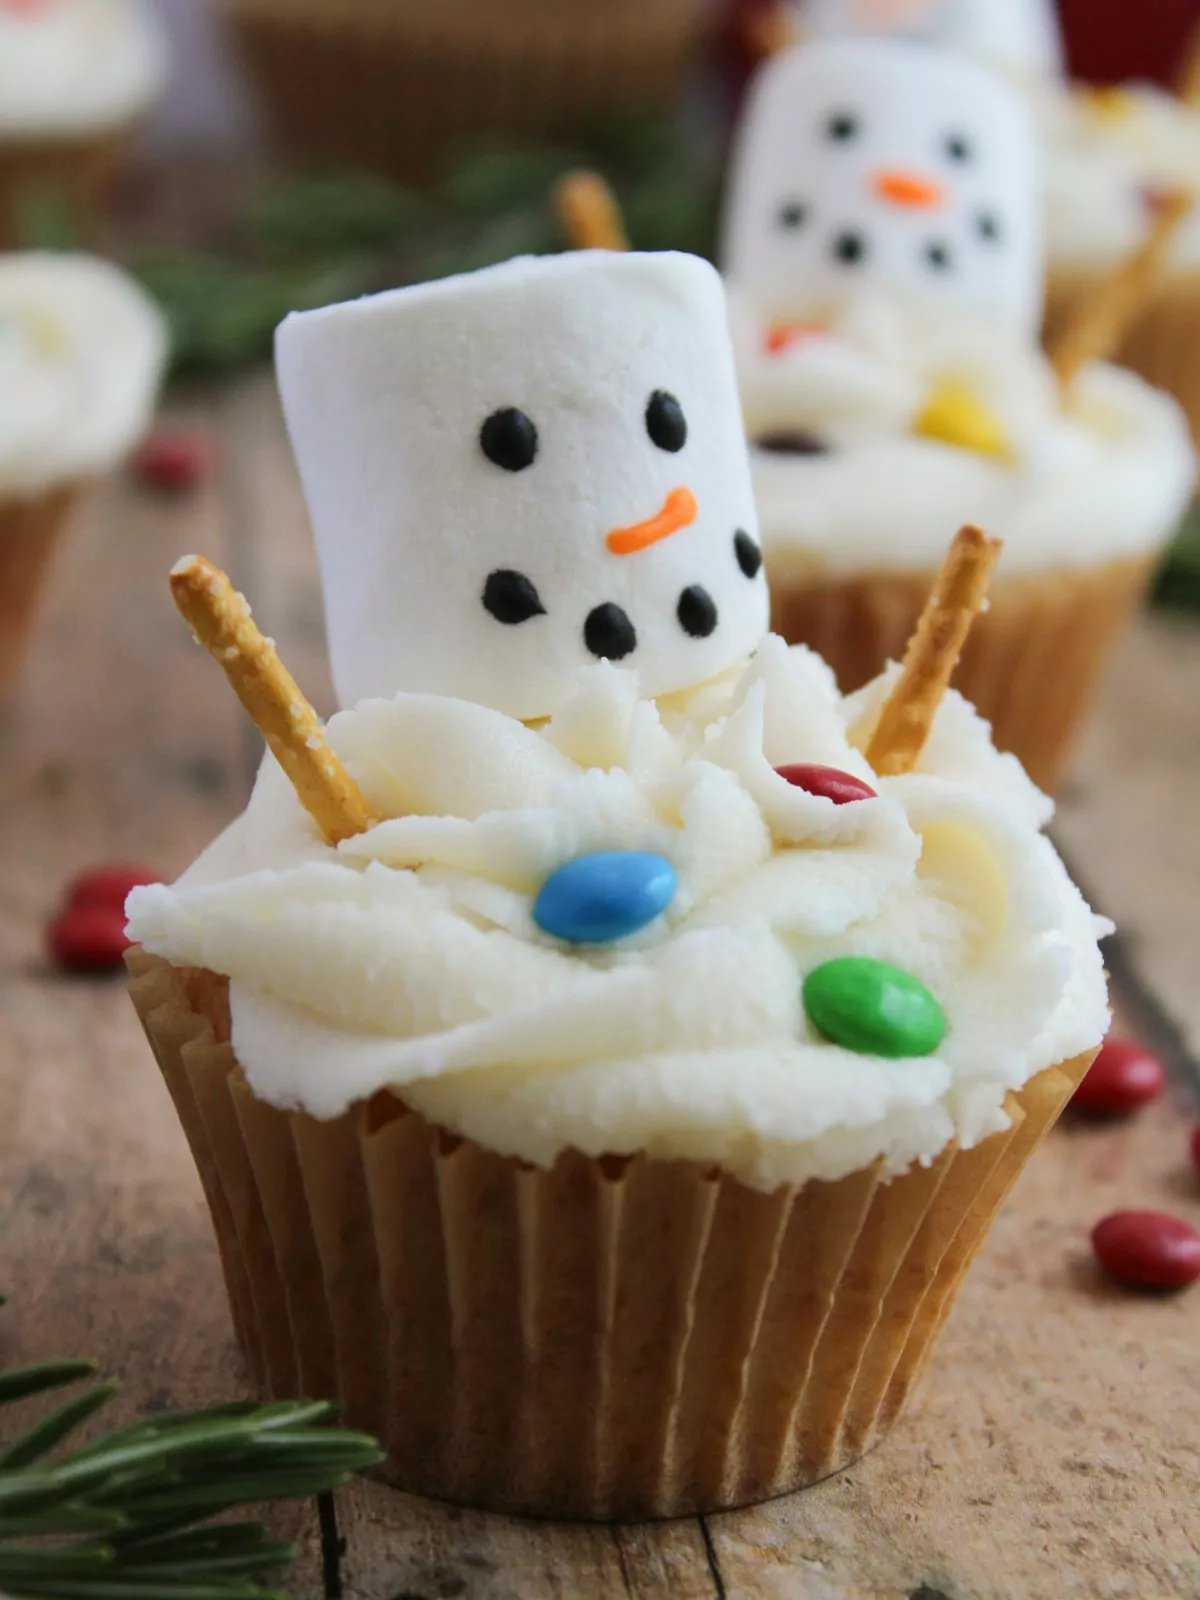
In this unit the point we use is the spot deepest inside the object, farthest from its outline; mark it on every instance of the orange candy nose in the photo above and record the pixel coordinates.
(908, 189)
(679, 509)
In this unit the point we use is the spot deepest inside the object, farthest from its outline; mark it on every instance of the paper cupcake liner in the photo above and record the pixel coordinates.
(1163, 344)
(49, 182)
(29, 532)
(393, 84)
(613, 1339)
(1033, 662)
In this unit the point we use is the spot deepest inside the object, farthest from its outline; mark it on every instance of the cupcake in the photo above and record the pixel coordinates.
(1111, 154)
(81, 352)
(1017, 37)
(882, 250)
(76, 76)
(605, 1047)
(395, 84)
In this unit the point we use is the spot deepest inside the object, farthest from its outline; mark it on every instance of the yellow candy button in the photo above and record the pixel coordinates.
(955, 417)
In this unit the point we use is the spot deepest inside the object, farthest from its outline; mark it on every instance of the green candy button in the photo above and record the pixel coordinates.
(873, 1008)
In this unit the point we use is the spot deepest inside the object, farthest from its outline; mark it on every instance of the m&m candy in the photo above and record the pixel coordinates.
(599, 898)
(1147, 1249)
(828, 783)
(873, 1008)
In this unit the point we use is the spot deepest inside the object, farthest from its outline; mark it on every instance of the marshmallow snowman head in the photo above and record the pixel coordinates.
(887, 165)
(516, 473)
(1017, 36)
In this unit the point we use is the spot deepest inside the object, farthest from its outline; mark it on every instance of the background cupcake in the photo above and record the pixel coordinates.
(76, 76)
(882, 248)
(81, 353)
(394, 84)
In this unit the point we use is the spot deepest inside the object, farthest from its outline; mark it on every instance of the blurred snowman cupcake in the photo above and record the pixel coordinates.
(606, 1045)
(883, 254)
(75, 78)
(81, 354)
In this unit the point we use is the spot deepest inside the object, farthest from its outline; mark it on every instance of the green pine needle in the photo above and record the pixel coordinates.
(126, 1516)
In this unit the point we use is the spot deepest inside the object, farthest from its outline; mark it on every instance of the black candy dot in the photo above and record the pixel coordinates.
(749, 556)
(511, 598)
(842, 126)
(509, 439)
(793, 214)
(939, 256)
(609, 634)
(850, 248)
(697, 612)
(958, 147)
(793, 442)
(987, 225)
(665, 421)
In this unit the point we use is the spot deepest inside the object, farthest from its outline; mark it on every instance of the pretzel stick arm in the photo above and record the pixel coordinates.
(221, 621)
(933, 653)
(589, 213)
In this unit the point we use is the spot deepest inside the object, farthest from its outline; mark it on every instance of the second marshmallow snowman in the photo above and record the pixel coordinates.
(520, 472)
(883, 163)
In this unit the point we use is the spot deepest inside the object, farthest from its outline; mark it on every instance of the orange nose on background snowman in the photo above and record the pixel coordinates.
(914, 190)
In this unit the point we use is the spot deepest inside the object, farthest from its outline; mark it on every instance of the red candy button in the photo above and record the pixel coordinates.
(173, 461)
(108, 887)
(1123, 1078)
(827, 782)
(1147, 1249)
(88, 938)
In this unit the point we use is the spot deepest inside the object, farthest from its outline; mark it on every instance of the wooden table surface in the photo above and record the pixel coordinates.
(1055, 1449)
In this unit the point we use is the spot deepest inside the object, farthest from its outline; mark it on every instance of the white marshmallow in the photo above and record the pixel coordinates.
(386, 399)
(885, 163)
(1017, 36)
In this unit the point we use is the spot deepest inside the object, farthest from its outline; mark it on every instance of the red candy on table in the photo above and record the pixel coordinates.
(88, 938)
(108, 886)
(1148, 1249)
(173, 461)
(828, 783)
(1123, 1078)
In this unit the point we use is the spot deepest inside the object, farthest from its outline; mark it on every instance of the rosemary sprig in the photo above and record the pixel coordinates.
(126, 1516)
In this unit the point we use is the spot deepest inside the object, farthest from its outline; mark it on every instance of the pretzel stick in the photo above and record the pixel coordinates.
(221, 622)
(589, 213)
(933, 651)
(1104, 316)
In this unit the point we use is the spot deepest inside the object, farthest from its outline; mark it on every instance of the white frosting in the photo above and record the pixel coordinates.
(874, 164)
(1108, 476)
(386, 401)
(76, 66)
(1107, 156)
(1018, 36)
(82, 349)
(408, 958)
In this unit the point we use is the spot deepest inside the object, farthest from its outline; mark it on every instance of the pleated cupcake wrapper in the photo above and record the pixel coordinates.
(29, 534)
(613, 1339)
(56, 183)
(1033, 662)
(396, 84)
(1163, 344)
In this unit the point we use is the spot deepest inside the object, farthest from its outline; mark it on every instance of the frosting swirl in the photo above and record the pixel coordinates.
(409, 958)
(76, 66)
(82, 349)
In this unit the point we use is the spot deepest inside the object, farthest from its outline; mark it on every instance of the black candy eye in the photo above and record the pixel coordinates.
(665, 421)
(850, 248)
(509, 439)
(793, 214)
(987, 225)
(958, 147)
(939, 256)
(842, 126)
(511, 598)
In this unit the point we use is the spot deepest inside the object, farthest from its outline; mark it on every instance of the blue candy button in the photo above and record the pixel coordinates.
(609, 895)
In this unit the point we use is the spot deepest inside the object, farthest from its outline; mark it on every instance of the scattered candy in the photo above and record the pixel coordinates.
(873, 1008)
(1123, 1078)
(599, 898)
(88, 938)
(108, 887)
(1147, 1249)
(954, 416)
(828, 783)
(173, 461)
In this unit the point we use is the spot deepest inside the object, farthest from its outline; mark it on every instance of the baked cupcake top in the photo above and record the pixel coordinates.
(82, 349)
(1110, 155)
(72, 67)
